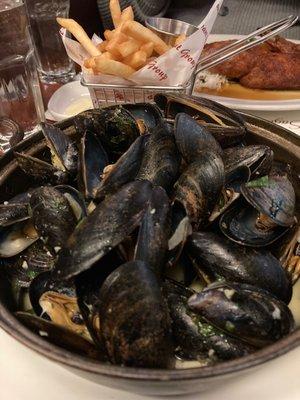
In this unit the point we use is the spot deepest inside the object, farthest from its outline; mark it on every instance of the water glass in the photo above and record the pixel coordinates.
(21, 105)
(54, 65)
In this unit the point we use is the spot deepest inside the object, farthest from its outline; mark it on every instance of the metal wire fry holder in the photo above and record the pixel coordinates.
(108, 94)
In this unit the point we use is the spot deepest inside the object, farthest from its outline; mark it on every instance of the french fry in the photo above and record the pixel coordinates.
(115, 11)
(148, 48)
(108, 56)
(102, 46)
(141, 33)
(113, 47)
(181, 38)
(119, 37)
(127, 14)
(108, 34)
(136, 60)
(112, 67)
(79, 33)
(128, 47)
(90, 62)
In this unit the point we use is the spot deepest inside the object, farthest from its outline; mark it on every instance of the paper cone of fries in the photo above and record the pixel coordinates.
(132, 54)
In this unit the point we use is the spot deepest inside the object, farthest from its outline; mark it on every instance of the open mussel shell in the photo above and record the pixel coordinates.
(161, 159)
(52, 216)
(226, 136)
(75, 199)
(146, 114)
(32, 261)
(41, 171)
(202, 109)
(227, 260)
(239, 224)
(16, 238)
(117, 129)
(289, 253)
(194, 337)
(273, 196)
(134, 318)
(152, 242)
(193, 138)
(57, 301)
(180, 229)
(93, 160)
(244, 312)
(63, 149)
(59, 336)
(88, 285)
(12, 213)
(124, 170)
(107, 226)
(199, 187)
(16, 209)
(258, 158)
(231, 191)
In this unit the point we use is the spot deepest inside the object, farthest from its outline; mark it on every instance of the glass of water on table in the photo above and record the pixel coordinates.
(21, 106)
(53, 63)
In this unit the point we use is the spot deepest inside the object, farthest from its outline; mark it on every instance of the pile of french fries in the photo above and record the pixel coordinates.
(126, 49)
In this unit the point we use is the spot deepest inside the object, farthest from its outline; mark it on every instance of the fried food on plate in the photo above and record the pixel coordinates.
(275, 71)
(274, 64)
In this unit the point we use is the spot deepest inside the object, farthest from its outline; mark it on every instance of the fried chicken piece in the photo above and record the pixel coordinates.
(281, 45)
(237, 66)
(275, 71)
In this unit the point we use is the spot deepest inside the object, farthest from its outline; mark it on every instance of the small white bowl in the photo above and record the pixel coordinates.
(69, 100)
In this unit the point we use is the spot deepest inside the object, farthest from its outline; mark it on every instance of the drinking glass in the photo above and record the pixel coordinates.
(54, 65)
(21, 105)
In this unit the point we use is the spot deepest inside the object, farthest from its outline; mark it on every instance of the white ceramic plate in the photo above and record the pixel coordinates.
(243, 104)
(69, 100)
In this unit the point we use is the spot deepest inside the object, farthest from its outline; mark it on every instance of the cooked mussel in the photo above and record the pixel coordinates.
(135, 323)
(257, 157)
(199, 187)
(88, 285)
(289, 253)
(115, 127)
(152, 242)
(57, 301)
(12, 213)
(40, 170)
(16, 238)
(161, 160)
(194, 337)
(106, 227)
(274, 197)
(244, 312)
(225, 259)
(231, 190)
(52, 216)
(63, 150)
(75, 199)
(32, 261)
(192, 138)
(124, 170)
(226, 136)
(200, 108)
(93, 160)
(147, 115)
(272, 200)
(59, 336)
